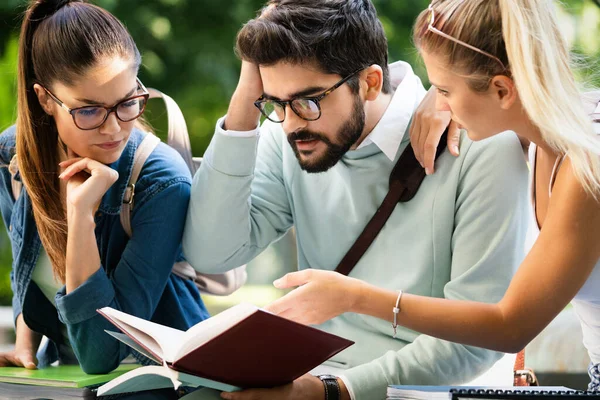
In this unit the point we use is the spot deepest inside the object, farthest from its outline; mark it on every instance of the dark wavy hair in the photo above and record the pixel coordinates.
(340, 36)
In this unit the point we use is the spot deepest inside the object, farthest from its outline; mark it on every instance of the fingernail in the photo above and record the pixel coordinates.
(427, 171)
(61, 175)
(455, 148)
(277, 282)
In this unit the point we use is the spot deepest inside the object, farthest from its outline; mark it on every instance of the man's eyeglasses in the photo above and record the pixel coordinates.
(91, 117)
(431, 28)
(307, 108)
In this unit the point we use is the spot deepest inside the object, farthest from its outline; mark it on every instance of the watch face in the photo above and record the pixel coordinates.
(322, 377)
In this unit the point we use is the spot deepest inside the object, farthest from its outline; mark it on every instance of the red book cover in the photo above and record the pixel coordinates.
(262, 350)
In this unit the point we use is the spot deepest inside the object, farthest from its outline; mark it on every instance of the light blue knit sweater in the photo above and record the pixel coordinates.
(461, 237)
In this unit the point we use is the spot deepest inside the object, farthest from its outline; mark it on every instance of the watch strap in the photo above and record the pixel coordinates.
(332, 387)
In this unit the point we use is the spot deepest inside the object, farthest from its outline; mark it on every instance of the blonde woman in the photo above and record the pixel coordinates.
(500, 65)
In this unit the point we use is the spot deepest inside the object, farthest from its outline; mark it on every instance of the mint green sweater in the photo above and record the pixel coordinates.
(461, 237)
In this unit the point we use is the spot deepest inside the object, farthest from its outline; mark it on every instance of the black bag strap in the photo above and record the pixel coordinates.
(405, 179)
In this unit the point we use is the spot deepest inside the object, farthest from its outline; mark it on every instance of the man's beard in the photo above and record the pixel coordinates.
(348, 135)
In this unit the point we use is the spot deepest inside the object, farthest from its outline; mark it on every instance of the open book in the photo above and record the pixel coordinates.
(242, 347)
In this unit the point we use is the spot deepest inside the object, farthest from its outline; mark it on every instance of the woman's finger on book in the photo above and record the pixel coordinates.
(278, 306)
(284, 307)
(292, 307)
(318, 297)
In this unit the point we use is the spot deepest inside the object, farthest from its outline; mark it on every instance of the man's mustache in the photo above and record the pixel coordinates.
(305, 135)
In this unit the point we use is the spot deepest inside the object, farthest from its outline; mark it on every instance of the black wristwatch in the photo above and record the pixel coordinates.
(332, 387)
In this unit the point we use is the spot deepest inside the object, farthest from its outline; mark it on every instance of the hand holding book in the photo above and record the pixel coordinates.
(242, 347)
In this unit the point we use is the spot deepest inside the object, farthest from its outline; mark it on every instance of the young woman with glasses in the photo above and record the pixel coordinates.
(72, 148)
(503, 65)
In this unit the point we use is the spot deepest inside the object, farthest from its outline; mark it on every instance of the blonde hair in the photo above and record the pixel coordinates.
(525, 36)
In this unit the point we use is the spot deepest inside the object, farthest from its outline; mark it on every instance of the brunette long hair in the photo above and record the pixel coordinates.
(60, 40)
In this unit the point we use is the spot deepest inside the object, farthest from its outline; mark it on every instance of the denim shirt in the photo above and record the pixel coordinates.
(135, 275)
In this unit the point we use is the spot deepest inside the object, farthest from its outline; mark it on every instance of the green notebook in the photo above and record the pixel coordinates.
(66, 376)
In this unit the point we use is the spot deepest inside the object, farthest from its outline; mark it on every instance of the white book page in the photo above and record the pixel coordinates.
(121, 337)
(161, 340)
(141, 339)
(206, 330)
(144, 378)
(157, 377)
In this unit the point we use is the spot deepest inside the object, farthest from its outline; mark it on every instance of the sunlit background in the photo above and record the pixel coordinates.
(187, 49)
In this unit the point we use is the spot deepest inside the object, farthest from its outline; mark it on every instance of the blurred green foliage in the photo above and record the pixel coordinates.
(187, 49)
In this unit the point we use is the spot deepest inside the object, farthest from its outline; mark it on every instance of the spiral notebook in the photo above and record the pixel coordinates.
(404, 392)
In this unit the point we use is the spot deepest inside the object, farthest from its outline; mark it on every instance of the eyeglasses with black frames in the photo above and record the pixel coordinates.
(307, 108)
(91, 117)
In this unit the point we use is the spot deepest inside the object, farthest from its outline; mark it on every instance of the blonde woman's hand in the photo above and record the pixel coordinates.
(87, 181)
(427, 128)
(320, 296)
